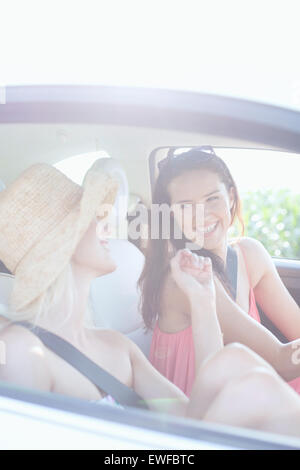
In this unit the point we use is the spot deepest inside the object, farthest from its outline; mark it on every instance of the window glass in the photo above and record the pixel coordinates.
(268, 184)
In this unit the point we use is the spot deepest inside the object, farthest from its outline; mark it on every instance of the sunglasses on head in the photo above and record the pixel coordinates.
(176, 152)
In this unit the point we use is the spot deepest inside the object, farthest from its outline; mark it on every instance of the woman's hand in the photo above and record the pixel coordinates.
(193, 275)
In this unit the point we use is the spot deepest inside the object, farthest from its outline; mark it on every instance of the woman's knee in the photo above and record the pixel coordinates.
(236, 354)
(259, 379)
(224, 365)
(248, 400)
(232, 356)
(233, 361)
(259, 390)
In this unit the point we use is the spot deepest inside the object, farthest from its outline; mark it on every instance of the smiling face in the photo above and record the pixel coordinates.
(202, 187)
(92, 253)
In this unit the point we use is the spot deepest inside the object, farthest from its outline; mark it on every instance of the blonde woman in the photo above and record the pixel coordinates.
(52, 241)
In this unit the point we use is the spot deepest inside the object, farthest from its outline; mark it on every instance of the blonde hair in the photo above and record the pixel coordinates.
(41, 308)
(48, 300)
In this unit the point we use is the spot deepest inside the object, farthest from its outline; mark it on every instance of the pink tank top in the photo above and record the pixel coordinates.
(172, 354)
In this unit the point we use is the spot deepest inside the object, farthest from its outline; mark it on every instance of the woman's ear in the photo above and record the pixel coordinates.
(231, 197)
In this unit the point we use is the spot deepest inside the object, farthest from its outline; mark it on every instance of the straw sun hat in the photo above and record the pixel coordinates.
(43, 216)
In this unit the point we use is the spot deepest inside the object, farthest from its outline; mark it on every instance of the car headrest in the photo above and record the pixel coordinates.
(114, 298)
(113, 168)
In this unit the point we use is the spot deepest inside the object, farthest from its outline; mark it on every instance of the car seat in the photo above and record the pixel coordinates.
(114, 298)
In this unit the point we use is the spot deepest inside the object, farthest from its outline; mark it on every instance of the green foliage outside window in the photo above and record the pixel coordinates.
(273, 218)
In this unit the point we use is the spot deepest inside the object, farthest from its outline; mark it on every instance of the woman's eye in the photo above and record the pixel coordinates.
(212, 198)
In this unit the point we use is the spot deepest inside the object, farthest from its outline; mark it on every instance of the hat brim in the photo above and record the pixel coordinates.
(50, 256)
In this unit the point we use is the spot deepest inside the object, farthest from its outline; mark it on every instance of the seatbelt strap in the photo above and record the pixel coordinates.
(231, 269)
(101, 378)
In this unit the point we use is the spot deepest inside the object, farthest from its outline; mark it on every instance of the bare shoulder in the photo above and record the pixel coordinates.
(17, 336)
(251, 246)
(25, 358)
(119, 344)
(113, 338)
(257, 258)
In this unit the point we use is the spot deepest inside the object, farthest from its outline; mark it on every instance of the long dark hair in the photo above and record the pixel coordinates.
(157, 254)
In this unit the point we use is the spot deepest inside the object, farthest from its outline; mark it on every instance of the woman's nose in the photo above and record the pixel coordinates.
(207, 213)
(199, 215)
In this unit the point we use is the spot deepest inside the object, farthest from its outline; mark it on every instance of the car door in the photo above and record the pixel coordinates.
(131, 122)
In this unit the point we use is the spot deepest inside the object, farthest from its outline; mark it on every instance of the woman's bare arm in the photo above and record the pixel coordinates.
(270, 292)
(238, 326)
(25, 362)
(158, 392)
(194, 278)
